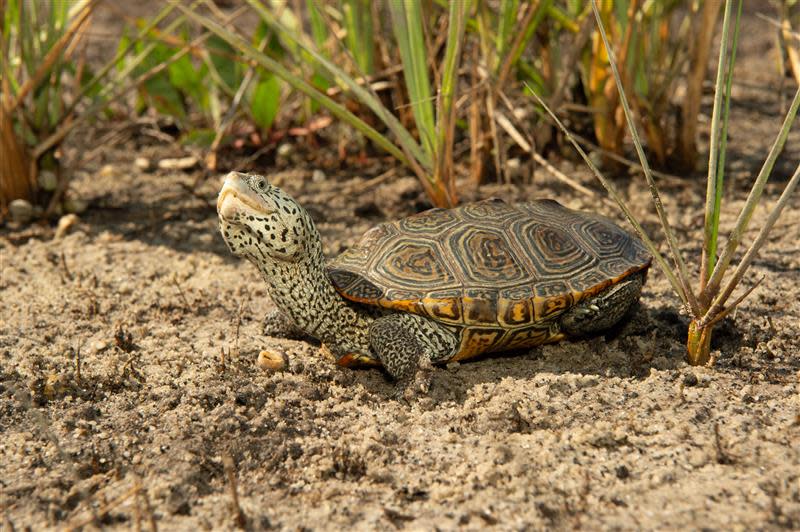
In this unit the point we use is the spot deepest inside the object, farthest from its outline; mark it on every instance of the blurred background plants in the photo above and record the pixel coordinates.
(426, 82)
(41, 56)
(393, 72)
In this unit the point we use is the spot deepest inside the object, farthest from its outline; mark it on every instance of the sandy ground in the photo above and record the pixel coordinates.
(129, 392)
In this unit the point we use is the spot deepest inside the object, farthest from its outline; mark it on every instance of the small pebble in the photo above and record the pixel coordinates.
(125, 288)
(514, 168)
(54, 386)
(21, 210)
(47, 180)
(107, 170)
(143, 163)
(98, 345)
(690, 379)
(318, 176)
(697, 458)
(180, 163)
(272, 360)
(284, 150)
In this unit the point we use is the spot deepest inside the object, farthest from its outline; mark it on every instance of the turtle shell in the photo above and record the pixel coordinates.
(490, 267)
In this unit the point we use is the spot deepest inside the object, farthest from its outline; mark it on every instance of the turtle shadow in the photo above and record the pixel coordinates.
(652, 339)
(649, 339)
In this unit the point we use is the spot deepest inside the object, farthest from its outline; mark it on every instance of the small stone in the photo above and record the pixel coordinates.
(622, 472)
(21, 210)
(47, 180)
(75, 205)
(54, 386)
(143, 163)
(284, 150)
(65, 223)
(125, 289)
(690, 379)
(318, 176)
(272, 360)
(107, 170)
(697, 458)
(513, 168)
(98, 345)
(180, 163)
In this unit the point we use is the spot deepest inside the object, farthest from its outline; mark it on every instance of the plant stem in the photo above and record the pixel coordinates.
(698, 343)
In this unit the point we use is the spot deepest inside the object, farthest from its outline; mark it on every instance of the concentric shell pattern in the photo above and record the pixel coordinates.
(500, 272)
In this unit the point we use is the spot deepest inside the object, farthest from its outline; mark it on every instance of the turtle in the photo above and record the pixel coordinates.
(438, 286)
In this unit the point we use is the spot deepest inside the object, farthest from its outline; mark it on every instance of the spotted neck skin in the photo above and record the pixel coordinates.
(265, 225)
(304, 293)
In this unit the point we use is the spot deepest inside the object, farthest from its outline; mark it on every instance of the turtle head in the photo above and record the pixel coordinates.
(258, 220)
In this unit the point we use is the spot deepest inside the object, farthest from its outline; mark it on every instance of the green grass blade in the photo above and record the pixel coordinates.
(123, 82)
(724, 141)
(360, 39)
(560, 16)
(746, 214)
(683, 275)
(752, 252)
(542, 8)
(297, 83)
(446, 116)
(716, 154)
(319, 31)
(404, 137)
(408, 29)
(505, 24)
(679, 289)
(123, 76)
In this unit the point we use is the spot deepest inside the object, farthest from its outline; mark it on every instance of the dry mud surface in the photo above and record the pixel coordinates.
(128, 350)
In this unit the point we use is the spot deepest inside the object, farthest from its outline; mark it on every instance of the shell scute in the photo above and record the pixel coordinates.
(487, 256)
(445, 306)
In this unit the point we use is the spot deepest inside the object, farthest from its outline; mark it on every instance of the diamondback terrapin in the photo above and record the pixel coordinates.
(442, 285)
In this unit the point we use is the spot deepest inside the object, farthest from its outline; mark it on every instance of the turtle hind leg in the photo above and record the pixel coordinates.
(406, 344)
(604, 310)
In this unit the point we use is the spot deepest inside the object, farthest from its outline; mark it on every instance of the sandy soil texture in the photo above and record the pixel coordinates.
(130, 393)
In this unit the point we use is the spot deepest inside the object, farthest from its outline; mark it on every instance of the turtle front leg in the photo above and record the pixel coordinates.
(406, 344)
(279, 325)
(604, 310)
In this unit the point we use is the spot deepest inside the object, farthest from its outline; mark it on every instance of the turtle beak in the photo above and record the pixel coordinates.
(236, 197)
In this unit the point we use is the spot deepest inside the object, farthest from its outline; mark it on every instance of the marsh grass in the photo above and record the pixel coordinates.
(427, 149)
(48, 90)
(710, 301)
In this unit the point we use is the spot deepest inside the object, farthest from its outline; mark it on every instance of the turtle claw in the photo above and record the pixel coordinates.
(416, 385)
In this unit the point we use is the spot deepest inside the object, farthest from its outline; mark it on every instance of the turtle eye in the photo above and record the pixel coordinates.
(261, 185)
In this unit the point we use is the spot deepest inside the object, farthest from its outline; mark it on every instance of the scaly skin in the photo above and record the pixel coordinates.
(266, 226)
